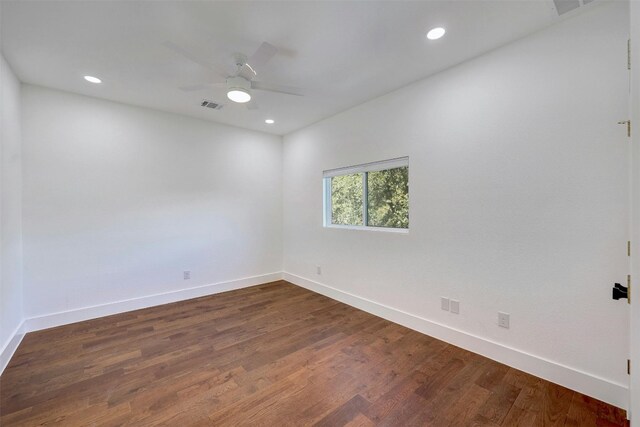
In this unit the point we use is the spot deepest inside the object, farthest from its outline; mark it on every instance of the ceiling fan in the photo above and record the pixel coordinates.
(240, 84)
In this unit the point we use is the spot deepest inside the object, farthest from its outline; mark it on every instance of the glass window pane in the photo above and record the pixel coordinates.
(346, 199)
(388, 204)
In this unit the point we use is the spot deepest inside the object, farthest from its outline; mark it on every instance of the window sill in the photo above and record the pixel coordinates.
(367, 228)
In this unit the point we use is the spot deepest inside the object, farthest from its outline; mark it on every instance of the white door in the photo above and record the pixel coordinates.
(634, 407)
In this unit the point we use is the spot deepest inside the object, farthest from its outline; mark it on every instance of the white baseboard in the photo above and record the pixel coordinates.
(10, 347)
(85, 313)
(600, 388)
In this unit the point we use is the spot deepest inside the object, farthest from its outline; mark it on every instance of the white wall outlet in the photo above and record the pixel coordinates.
(186, 275)
(503, 320)
(455, 306)
(444, 303)
(318, 270)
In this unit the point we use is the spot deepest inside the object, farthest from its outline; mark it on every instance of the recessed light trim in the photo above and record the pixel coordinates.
(92, 79)
(239, 95)
(436, 33)
(269, 121)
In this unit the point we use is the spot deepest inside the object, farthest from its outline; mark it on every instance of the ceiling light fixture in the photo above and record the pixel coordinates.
(436, 33)
(239, 95)
(238, 89)
(269, 121)
(92, 79)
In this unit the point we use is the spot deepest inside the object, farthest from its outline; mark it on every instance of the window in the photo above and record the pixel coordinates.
(373, 195)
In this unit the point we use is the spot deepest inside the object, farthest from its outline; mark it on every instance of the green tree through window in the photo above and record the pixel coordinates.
(388, 198)
(385, 196)
(346, 199)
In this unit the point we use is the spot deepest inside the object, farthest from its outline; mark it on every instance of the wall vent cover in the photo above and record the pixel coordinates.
(564, 6)
(211, 104)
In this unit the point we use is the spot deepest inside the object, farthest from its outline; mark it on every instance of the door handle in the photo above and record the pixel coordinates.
(620, 291)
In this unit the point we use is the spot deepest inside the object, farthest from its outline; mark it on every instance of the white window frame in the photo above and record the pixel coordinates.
(363, 170)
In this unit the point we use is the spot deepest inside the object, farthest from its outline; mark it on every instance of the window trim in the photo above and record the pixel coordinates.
(363, 169)
(399, 162)
(369, 228)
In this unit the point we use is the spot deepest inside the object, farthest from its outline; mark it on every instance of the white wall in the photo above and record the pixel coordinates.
(10, 213)
(518, 203)
(120, 200)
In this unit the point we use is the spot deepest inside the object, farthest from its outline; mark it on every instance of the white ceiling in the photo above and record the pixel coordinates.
(341, 53)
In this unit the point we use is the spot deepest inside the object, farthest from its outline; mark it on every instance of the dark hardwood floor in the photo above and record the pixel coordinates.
(271, 355)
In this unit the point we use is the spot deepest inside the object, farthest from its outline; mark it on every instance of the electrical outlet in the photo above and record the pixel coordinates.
(455, 306)
(444, 303)
(318, 270)
(503, 320)
(186, 275)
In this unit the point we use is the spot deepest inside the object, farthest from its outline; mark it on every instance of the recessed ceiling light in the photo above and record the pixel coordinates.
(239, 95)
(269, 121)
(436, 33)
(92, 79)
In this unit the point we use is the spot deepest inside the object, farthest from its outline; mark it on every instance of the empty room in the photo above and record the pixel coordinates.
(319, 213)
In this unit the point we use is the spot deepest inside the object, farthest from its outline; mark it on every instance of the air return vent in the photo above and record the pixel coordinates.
(564, 6)
(210, 104)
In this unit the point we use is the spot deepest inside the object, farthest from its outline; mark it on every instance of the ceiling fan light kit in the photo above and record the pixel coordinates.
(238, 89)
(238, 95)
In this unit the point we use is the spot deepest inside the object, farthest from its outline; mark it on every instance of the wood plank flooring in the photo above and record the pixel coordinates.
(271, 355)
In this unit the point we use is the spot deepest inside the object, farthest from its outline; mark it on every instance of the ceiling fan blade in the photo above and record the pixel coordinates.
(193, 88)
(289, 90)
(264, 53)
(179, 50)
(201, 86)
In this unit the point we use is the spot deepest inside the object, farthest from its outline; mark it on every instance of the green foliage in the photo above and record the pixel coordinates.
(346, 199)
(388, 204)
